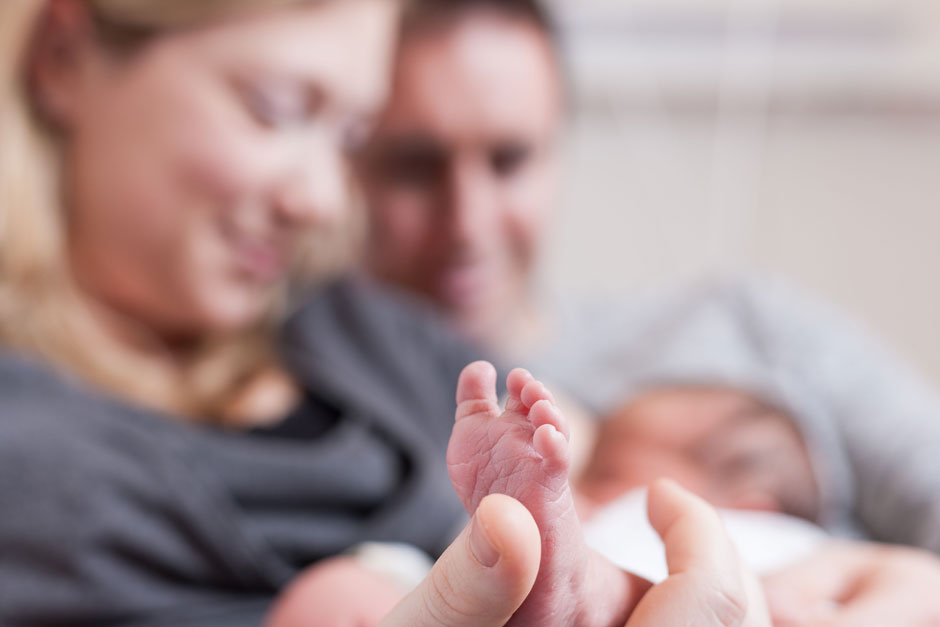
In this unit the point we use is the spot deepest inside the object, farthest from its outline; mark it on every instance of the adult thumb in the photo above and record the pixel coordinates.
(707, 584)
(483, 577)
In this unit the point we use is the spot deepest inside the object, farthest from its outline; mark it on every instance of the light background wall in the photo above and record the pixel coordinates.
(795, 138)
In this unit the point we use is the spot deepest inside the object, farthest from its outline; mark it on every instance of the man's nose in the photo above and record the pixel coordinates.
(471, 200)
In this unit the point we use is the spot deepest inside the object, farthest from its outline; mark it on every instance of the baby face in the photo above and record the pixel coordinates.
(728, 447)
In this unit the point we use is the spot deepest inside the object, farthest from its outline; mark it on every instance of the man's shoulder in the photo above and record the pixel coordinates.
(357, 299)
(357, 314)
(368, 342)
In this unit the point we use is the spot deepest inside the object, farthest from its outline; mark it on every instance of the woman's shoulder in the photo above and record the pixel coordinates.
(45, 409)
(43, 443)
(31, 391)
(62, 440)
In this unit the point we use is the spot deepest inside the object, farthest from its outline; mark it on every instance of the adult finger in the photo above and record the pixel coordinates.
(889, 586)
(483, 577)
(813, 588)
(707, 583)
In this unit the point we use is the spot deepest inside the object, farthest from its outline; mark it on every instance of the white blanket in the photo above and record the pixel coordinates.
(766, 541)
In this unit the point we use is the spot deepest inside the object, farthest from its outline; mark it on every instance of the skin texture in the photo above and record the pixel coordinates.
(724, 445)
(459, 178)
(706, 587)
(523, 452)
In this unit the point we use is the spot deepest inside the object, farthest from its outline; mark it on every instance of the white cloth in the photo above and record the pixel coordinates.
(766, 542)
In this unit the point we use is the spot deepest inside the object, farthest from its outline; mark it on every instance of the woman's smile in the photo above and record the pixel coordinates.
(261, 257)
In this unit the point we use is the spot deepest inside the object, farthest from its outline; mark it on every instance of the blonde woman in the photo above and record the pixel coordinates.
(189, 432)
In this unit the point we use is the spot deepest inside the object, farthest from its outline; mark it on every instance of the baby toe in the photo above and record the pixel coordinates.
(476, 390)
(544, 412)
(516, 381)
(552, 446)
(535, 391)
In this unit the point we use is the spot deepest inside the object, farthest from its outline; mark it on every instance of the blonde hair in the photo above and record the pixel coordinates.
(42, 312)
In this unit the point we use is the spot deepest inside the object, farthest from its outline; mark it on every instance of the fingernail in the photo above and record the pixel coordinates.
(481, 546)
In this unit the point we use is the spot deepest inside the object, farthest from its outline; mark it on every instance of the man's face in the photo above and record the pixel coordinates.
(461, 172)
(724, 445)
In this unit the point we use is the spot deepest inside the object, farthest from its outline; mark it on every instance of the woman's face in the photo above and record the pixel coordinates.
(195, 166)
(461, 171)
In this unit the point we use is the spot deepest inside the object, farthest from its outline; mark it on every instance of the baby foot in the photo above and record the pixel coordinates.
(523, 452)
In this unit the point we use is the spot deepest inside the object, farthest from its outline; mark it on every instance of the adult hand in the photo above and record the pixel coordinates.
(483, 577)
(708, 586)
(480, 581)
(856, 583)
(337, 592)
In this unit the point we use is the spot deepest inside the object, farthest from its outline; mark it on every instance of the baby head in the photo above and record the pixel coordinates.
(726, 445)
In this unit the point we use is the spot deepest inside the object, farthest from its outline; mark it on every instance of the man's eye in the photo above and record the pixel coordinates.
(509, 159)
(416, 170)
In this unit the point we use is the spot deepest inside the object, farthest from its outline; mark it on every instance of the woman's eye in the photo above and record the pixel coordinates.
(277, 105)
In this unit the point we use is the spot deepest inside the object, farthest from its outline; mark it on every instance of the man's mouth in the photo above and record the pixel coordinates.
(464, 285)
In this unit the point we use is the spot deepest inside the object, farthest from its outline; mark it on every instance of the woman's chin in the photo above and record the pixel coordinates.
(235, 313)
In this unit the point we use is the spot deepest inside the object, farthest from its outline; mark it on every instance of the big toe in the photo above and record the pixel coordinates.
(485, 575)
(476, 390)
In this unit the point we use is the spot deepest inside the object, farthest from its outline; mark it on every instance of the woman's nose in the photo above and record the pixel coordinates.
(315, 191)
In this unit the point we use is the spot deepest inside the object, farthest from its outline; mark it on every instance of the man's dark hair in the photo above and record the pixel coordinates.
(428, 14)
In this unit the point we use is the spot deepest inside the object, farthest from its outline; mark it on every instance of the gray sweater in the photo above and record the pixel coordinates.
(871, 424)
(115, 515)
